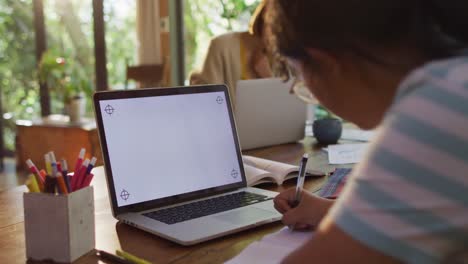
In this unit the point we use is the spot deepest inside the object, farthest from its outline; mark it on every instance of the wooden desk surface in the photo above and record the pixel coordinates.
(111, 235)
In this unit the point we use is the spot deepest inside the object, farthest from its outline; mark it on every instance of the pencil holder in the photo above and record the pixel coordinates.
(59, 227)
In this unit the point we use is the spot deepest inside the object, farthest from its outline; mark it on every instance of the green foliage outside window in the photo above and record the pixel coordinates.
(19, 90)
(69, 29)
(65, 78)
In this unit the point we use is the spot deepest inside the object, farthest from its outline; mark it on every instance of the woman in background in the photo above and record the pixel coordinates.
(402, 65)
(236, 56)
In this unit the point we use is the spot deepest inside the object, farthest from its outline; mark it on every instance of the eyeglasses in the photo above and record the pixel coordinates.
(299, 89)
(288, 69)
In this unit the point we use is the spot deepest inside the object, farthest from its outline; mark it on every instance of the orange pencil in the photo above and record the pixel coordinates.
(61, 183)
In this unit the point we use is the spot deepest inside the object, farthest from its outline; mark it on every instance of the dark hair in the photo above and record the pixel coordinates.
(439, 28)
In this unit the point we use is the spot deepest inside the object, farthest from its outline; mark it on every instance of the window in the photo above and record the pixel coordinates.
(205, 19)
(18, 85)
(69, 35)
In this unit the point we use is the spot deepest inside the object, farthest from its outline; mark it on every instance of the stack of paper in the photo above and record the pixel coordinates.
(346, 153)
(357, 134)
(272, 248)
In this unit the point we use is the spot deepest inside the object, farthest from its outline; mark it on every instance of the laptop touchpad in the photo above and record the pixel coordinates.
(246, 215)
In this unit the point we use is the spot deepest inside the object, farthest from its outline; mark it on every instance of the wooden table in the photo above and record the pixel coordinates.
(111, 235)
(35, 138)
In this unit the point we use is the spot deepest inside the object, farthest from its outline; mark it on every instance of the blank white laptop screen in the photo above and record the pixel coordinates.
(169, 145)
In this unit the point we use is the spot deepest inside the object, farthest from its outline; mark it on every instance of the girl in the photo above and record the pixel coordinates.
(399, 65)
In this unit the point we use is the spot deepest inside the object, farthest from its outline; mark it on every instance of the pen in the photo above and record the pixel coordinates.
(31, 183)
(79, 161)
(64, 167)
(59, 167)
(112, 258)
(300, 179)
(53, 164)
(50, 183)
(78, 176)
(87, 180)
(91, 165)
(131, 258)
(47, 164)
(300, 182)
(54, 175)
(43, 174)
(85, 177)
(61, 183)
(65, 174)
(35, 171)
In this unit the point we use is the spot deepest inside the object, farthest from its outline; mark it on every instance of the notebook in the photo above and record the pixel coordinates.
(272, 248)
(174, 166)
(267, 114)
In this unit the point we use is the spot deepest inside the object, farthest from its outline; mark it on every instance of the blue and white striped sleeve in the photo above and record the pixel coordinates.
(409, 198)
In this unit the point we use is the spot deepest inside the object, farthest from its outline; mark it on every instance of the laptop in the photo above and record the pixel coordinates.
(173, 163)
(267, 114)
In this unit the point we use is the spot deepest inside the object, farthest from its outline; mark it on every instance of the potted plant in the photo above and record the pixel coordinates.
(67, 82)
(328, 127)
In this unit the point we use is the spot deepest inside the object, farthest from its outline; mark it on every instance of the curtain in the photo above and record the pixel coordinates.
(148, 32)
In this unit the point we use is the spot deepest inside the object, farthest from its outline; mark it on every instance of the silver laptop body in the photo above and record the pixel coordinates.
(166, 148)
(267, 114)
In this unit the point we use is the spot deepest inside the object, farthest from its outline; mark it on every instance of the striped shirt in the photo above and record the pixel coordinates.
(409, 198)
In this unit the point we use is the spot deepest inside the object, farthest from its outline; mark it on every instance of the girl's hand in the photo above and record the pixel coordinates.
(308, 213)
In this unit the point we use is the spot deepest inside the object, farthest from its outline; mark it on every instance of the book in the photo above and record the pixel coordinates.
(258, 171)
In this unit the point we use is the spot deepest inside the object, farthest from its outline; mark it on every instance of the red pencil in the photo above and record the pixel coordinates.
(87, 172)
(79, 175)
(80, 159)
(88, 180)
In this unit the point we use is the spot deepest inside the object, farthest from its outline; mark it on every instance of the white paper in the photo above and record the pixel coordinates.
(308, 131)
(272, 248)
(357, 134)
(346, 153)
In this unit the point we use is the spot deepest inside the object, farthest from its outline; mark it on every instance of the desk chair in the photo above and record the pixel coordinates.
(149, 75)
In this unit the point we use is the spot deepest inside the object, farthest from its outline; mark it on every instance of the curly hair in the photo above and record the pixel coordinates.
(438, 28)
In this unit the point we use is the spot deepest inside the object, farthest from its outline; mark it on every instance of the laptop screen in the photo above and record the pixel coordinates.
(162, 146)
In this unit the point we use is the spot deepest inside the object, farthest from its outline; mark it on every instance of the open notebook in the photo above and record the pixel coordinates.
(258, 170)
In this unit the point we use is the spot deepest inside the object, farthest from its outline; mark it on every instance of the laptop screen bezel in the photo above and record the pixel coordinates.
(152, 92)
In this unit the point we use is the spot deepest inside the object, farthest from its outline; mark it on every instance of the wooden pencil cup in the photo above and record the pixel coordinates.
(59, 227)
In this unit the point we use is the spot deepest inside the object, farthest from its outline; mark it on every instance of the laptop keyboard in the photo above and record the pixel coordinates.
(202, 208)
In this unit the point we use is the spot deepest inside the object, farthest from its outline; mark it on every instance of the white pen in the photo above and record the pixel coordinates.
(300, 179)
(300, 182)
(53, 163)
